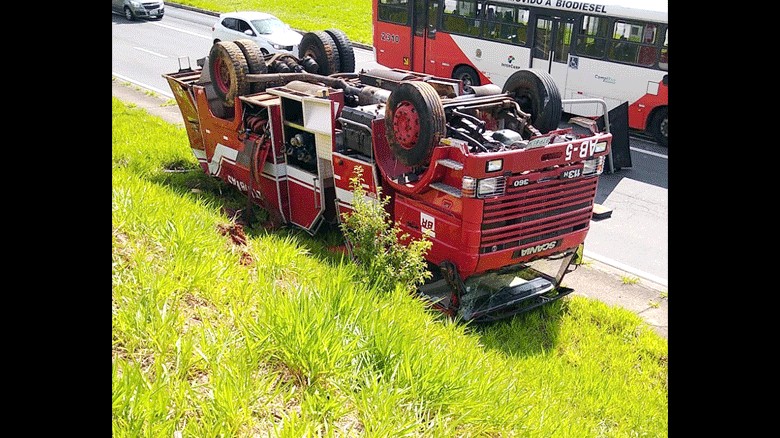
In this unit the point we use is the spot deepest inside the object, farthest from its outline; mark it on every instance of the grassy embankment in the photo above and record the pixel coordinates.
(351, 16)
(219, 333)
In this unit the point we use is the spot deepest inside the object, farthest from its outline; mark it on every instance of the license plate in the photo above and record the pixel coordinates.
(154, 12)
(572, 173)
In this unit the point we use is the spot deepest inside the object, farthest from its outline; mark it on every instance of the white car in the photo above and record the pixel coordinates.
(270, 33)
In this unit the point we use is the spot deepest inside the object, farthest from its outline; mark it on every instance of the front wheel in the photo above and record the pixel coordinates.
(659, 127)
(129, 14)
(467, 75)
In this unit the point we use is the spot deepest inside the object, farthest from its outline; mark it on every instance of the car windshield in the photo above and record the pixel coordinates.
(268, 25)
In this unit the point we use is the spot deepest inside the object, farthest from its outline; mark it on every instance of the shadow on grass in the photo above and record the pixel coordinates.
(528, 334)
(194, 183)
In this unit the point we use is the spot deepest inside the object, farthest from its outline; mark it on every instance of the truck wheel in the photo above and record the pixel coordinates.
(346, 52)
(467, 75)
(254, 61)
(537, 94)
(659, 127)
(228, 69)
(320, 47)
(414, 122)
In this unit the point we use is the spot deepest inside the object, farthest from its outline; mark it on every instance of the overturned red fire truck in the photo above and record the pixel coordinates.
(491, 176)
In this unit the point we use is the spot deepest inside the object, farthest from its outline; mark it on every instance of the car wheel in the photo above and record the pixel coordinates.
(536, 93)
(414, 122)
(346, 52)
(254, 61)
(467, 75)
(320, 47)
(129, 16)
(659, 127)
(228, 69)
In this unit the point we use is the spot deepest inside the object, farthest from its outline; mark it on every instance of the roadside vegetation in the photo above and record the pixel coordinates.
(220, 328)
(351, 16)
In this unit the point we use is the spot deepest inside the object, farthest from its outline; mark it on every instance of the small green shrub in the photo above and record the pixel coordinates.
(388, 255)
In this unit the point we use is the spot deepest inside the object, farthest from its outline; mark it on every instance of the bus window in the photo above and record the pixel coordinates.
(664, 62)
(393, 11)
(625, 42)
(563, 42)
(592, 38)
(507, 24)
(543, 39)
(461, 17)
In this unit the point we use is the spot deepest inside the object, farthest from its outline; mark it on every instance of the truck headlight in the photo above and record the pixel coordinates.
(491, 187)
(600, 147)
(594, 166)
(494, 165)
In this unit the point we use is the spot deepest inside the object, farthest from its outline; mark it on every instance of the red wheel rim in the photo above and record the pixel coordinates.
(222, 78)
(406, 125)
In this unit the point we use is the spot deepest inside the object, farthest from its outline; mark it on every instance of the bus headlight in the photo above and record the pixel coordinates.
(594, 166)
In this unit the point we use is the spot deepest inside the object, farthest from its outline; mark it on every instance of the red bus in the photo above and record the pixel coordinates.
(615, 50)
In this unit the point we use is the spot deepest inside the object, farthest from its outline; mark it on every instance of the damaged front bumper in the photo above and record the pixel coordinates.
(501, 294)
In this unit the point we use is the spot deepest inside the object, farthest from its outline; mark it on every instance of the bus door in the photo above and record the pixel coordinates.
(552, 40)
(424, 36)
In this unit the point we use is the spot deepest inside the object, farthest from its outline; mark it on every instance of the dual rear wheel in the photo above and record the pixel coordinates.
(231, 61)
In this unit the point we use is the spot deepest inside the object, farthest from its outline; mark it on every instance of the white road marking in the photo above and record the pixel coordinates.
(655, 154)
(150, 52)
(208, 37)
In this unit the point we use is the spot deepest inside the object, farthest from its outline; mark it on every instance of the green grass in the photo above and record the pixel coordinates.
(627, 279)
(276, 336)
(351, 16)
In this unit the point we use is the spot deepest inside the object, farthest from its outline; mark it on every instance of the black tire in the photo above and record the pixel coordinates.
(228, 69)
(537, 94)
(467, 75)
(346, 51)
(414, 122)
(320, 47)
(659, 127)
(254, 61)
(129, 16)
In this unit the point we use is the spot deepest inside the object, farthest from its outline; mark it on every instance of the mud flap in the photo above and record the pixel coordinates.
(620, 153)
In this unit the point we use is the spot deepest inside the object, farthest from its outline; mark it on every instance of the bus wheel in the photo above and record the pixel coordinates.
(320, 47)
(414, 122)
(537, 94)
(228, 70)
(254, 61)
(467, 75)
(659, 127)
(346, 52)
